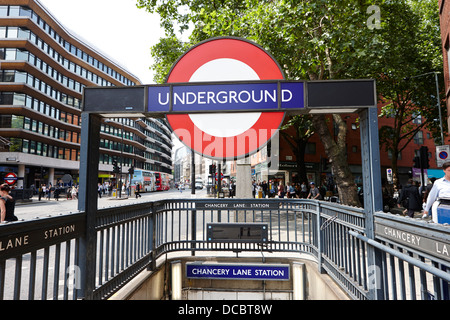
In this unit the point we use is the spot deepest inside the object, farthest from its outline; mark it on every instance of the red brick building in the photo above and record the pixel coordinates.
(315, 151)
(444, 16)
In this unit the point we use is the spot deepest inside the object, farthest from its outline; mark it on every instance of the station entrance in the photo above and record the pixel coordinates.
(205, 87)
(239, 248)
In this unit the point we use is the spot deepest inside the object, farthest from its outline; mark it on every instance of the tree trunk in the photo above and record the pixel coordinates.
(300, 157)
(336, 152)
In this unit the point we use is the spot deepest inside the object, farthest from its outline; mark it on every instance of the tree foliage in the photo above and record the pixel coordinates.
(318, 40)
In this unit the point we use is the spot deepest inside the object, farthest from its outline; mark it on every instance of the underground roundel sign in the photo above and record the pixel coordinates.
(226, 135)
(10, 178)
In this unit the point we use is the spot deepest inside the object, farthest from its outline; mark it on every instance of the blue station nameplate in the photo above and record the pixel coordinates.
(280, 272)
(262, 95)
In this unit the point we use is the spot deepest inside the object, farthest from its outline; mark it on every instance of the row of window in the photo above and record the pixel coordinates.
(7, 32)
(156, 147)
(21, 99)
(150, 123)
(17, 11)
(21, 122)
(13, 54)
(108, 159)
(113, 145)
(32, 81)
(43, 149)
(156, 167)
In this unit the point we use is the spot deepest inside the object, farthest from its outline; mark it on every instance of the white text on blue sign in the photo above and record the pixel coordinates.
(238, 272)
(270, 96)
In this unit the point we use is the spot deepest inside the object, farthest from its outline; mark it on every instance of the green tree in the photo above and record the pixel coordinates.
(296, 132)
(408, 91)
(312, 40)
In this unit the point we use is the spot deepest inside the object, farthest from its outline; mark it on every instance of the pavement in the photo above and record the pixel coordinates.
(44, 208)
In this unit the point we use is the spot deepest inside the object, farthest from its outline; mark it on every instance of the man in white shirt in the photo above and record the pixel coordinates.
(441, 189)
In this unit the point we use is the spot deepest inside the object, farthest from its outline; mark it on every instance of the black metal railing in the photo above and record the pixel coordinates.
(46, 258)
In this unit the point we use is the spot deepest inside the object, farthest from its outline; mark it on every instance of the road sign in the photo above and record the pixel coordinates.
(226, 135)
(10, 178)
(389, 176)
(442, 154)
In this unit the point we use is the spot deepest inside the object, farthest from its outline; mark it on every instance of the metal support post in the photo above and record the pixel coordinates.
(372, 194)
(87, 199)
(192, 172)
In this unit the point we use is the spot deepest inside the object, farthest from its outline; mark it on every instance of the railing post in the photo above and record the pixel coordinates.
(87, 200)
(319, 238)
(193, 230)
(151, 238)
(372, 196)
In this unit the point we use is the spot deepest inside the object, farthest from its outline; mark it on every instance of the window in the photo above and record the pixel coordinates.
(3, 11)
(19, 99)
(418, 138)
(25, 144)
(32, 147)
(399, 157)
(310, 148)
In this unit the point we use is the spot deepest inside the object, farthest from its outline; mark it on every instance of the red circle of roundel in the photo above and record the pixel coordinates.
(256, 136)
(10, 178)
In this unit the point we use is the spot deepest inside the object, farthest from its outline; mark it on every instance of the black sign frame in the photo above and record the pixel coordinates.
(237, 232)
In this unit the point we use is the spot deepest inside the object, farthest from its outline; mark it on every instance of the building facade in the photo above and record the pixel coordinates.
(444, 18)
(44, 68)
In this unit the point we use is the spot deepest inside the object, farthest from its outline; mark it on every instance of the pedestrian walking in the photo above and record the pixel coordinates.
(100, 190)
(314, 192)
(281, 191)
(56, 193)
(138, 190)
(74, 193)
(303, 190)
(410, 199)
(440, 189)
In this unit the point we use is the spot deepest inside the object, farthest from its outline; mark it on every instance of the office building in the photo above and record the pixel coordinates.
(44, 68)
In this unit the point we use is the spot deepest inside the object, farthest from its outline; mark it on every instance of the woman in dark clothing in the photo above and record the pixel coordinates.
(7, 204)
(410, 199)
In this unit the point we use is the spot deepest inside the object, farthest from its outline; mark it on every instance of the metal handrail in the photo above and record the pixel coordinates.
(131, 238)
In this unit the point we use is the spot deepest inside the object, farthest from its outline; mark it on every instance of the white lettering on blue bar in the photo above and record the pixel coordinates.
(226, 97)
(237, 271)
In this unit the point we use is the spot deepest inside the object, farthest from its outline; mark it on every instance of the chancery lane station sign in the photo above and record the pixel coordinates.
(241, 271)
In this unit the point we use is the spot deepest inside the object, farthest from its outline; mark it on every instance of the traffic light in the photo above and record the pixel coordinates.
(212, 169)
(416, 161)
(424, 157)
(116, 168)
(131, 170)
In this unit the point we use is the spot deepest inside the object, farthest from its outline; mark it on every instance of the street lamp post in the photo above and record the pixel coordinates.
(438, 102)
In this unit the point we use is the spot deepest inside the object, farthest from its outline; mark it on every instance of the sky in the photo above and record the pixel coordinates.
(116, 28)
